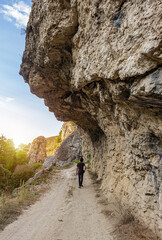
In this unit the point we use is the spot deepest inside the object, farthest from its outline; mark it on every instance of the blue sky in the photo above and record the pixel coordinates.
(23, 116)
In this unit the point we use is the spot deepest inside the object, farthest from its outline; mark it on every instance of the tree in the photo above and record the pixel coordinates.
(2, 149)
(7, 152)
(22, 154)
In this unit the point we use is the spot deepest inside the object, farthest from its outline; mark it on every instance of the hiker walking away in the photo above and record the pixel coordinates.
(81, 167)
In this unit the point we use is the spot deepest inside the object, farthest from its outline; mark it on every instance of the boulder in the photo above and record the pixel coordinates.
(49, 162)
(70, 150)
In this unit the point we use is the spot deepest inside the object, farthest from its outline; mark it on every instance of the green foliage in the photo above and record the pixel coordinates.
(9, 159)
(85, 144)
(73, 124)
(22, 154)
(35, 166)
(21, 157)
(5, 175)
(21, 174)
(3, 200)
(23, 147)
(58, 139)
(89, 160)
(77, 161)
(53, 143)
(7, 153)
(23, 193)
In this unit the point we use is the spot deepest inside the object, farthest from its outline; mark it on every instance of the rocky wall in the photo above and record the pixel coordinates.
(67, 129)
(37, 150)
(98, 63)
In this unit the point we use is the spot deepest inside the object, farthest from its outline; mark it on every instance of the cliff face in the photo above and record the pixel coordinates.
(37, 150)
(67, 129)
(97, 63)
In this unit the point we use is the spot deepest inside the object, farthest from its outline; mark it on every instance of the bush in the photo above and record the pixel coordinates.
(21, 157)
(7, 153)
(77, 161)
(21, 174)
(5, 175)
(35, 166)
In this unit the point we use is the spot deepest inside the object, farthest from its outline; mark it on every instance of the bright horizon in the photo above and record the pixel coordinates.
(23, 116)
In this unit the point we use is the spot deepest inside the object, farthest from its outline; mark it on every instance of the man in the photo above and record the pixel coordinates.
(81, 167)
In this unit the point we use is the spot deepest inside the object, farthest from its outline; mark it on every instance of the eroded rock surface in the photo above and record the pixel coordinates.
(98, 63)
(67, 129)
(37, 150)
(71, 149)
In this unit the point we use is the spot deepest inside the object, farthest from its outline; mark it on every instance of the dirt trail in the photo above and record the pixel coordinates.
(65, 212)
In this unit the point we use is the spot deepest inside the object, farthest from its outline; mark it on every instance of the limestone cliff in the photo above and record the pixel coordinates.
(37, 150)
(98, 63)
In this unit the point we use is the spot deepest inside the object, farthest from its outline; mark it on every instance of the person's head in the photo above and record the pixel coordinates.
(81, 159)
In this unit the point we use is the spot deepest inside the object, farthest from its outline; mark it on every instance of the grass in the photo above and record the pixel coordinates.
(8, 214)
(39, 181)
(11, 207)
(64, 167)
(77, 161)
(23, 194)
(133, 231)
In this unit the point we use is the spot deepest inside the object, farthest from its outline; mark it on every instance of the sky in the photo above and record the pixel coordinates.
(23, 116)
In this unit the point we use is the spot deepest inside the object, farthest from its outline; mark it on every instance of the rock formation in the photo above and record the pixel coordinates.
(67, 129)
(98, 63)
(71, 149)
(37, 150)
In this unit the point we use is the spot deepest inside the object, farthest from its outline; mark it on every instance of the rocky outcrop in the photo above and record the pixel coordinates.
(71, 149)
(37, 150)
(98, 63)
(49, 162)
(67, 129)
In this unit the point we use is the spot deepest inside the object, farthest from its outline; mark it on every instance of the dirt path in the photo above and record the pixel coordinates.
(65, 212)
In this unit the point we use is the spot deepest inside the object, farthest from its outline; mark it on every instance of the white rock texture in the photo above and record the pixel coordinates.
(98, 64)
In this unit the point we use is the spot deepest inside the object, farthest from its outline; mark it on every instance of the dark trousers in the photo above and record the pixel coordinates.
(80, 178)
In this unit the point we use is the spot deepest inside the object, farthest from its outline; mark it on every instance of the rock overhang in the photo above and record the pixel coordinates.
(72, 46)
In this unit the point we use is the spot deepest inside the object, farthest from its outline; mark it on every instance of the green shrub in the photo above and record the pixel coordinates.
(5, 176)
(77, 161)
(89, 160)
(23, 193)
(7, 153)
(21, 157)
(21, 174)
(35, 166)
